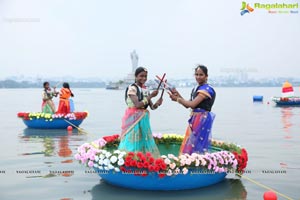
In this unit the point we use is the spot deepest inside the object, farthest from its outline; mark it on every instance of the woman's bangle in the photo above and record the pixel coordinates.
(145, 101)
(178, 99)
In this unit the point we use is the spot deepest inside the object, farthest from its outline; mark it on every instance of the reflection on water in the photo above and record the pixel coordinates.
(52, 143)
(227, 189)
(48, 132)
(286, 116)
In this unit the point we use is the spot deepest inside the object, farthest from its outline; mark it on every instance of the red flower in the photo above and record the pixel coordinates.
(144, 173)
(110, 138)
(130, 154)
(161, 175)
(140, 154)
(80, 115)
(148, 154)
(127, 163)
(123, 169)
(151, 168)
(140, 165)
(156, 168)
(163, 166)
(146, 164)
(133, 163)
(242, 160)
(23, 115)
(128, 159)
(151, 160)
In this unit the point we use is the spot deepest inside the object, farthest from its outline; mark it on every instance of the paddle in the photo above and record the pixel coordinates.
(80, 130)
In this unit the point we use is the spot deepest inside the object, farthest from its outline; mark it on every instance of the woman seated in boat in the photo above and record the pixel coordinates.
(198, 133)
(136, 133)
(64, 99)
(48, 105)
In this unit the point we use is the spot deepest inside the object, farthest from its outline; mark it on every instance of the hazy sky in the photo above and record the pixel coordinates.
(94, 38)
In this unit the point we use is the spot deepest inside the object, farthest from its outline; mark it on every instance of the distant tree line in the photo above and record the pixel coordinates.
(39, 84)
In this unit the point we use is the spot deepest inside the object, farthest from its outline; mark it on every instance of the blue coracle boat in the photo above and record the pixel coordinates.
(55, 121)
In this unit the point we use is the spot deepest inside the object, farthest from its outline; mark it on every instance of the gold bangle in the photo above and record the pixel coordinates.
(145, 101)
(178, 99)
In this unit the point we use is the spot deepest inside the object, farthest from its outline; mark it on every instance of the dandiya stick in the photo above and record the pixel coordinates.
(162, 93)
(169, 87)
(161, 80)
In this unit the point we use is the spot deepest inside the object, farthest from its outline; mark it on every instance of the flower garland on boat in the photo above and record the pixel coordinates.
(99, 155)
(50, 117)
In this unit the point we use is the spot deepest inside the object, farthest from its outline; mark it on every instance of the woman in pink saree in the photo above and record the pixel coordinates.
(136, 133)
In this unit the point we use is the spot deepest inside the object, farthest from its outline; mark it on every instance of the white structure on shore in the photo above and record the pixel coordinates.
(130, 78)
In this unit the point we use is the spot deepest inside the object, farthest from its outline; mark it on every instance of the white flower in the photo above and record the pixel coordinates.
(185, 170)
(106, 168)
(96, 165)
(96, 158)
(110, 166)
(169, 173)
(117, 151)
(167, 161)
(171, 156)
(188, 161)
(172, 165)
(121, 155)
(113, 159)
(121, 162)
(100, 162)
(101, 156)
(107, 154)
(100, 167)
(106, 161)
(117, 169)
(197, 163)
(177, 171)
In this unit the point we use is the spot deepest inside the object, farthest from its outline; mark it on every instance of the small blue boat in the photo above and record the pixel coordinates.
(54, 124)
(52, 121)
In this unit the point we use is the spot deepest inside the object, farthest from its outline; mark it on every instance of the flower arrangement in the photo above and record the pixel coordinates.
(101, 155)
(50, 117)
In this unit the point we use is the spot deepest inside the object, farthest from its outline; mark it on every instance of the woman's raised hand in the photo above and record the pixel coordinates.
(154, 93)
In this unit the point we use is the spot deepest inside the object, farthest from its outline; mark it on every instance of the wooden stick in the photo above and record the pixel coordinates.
(169, 87)
(162, 79)
(162, 93)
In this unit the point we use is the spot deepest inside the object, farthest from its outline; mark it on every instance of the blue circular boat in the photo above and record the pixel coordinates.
(54, 124)
(141, 171)
(55, 121)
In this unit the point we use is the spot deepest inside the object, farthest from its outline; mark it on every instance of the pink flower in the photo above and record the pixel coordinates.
(90, 163)
(185, 170)
(169, 173)
(172, 165)
(167, 161)
(77, 156)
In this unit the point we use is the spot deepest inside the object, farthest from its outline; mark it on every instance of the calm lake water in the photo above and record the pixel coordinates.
(270, 134)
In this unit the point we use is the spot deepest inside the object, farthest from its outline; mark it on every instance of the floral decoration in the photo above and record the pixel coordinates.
(50, 117)
(101, 154)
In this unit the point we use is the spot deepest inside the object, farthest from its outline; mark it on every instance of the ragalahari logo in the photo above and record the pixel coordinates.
(246, 8)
